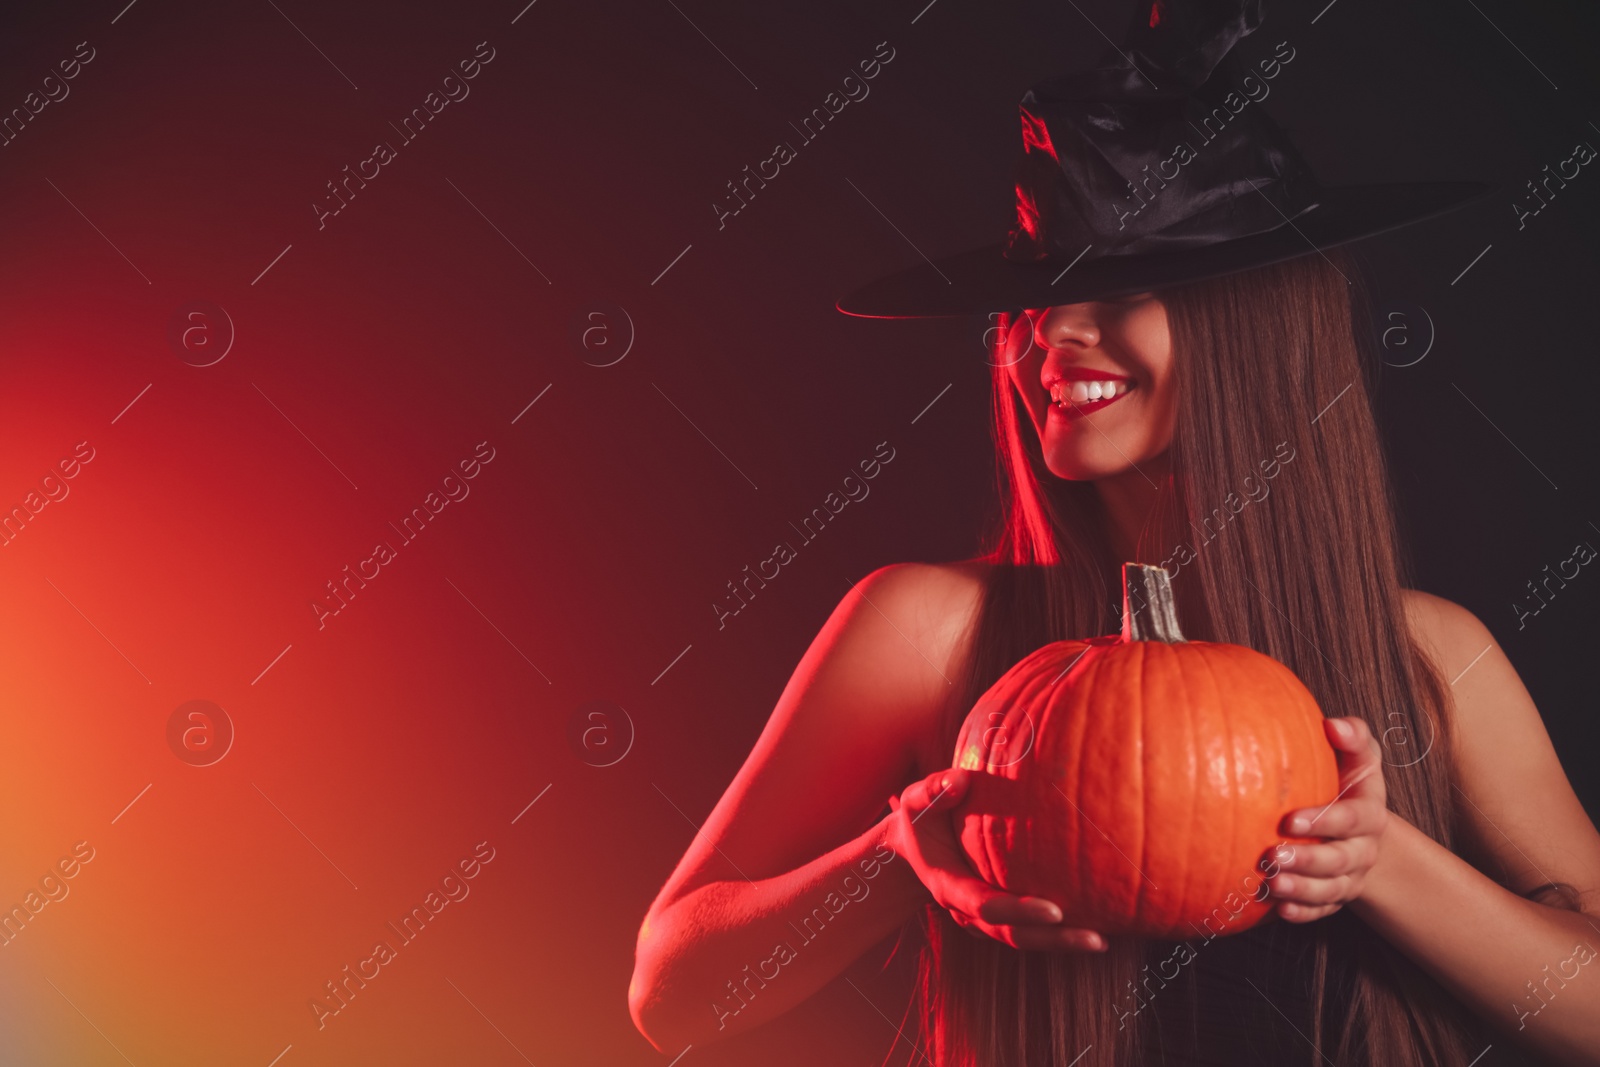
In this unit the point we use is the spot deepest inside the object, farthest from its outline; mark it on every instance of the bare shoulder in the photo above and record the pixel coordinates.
(939, 578)
(1464, 650)
(1474, 667)
(931, 604)
(1518, 798)
(919, 619)
(1443, 625)
(936, 584)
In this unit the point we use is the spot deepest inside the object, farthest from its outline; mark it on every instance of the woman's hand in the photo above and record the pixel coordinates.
(920, 830)
(1318, 880)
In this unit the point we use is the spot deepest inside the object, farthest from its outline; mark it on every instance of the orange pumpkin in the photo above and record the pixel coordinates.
(1139, 781)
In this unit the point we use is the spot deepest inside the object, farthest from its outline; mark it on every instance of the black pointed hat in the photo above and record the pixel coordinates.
(1151, 170)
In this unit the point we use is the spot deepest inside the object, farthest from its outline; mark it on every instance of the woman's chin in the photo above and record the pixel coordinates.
(1075, 467)
(1089, 458)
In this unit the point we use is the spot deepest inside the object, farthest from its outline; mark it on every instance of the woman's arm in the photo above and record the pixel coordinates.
(802, 816)
(731, 954)
(1533, 970)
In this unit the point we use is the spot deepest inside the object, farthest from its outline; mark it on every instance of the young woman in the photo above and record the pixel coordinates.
(1450, 912)
(1459, 883)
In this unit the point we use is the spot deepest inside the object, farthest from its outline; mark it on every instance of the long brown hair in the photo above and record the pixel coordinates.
(1269, 363)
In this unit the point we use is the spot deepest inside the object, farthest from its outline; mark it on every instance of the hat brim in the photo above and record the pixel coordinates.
(982, 280)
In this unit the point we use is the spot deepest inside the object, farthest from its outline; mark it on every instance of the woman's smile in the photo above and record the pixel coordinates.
(1078, 391)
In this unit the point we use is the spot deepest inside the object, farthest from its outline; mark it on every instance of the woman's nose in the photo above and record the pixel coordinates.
(1067, 324)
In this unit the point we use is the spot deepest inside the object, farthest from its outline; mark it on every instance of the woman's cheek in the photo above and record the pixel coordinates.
(1163, 418)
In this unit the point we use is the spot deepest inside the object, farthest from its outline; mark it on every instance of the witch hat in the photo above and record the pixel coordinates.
(1153, 169)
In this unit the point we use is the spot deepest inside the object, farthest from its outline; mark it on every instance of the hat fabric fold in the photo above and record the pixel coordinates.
(1150, 171)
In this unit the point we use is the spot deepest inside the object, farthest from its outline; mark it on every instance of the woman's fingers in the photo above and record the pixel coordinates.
(1342, 818)
(1327, 860)
(1319, 879)
(1299, 889)
(1333, 820)
(982, 901)
(1052, 939)
(942, 790)
(1019, 921)
(978, 899)
(976, 906)
(1360, 759)
(1004, 909)
(1042, 938)
(1316, 880)
(1305, 913)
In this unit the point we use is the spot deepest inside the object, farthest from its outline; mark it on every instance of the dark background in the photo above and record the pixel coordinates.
(412, 326)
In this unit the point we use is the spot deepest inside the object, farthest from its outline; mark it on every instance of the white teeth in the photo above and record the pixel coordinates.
(1085, 392)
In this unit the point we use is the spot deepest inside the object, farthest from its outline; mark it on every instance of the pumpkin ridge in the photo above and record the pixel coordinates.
(1232, 763)
(1063, 707)
(1287, 745)
(1143, 792)
(991, 849)
(1026, 698)
(1126, 900)
(1192, 834)
(1081, 863)
(1028, 836)
(1183, 856)
(1036, 692)
(1108, 734)
(1278, 773)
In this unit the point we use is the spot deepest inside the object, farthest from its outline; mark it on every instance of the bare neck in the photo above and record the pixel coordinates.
(1129, 498)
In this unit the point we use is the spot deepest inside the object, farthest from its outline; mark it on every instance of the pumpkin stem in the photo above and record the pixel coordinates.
(1148, 611)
